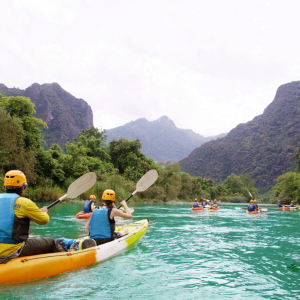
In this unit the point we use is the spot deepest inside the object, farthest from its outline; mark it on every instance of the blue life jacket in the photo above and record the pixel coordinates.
(292, 205)
(204, 203)
(215, 203)
(255, 205)
(196, 204)
(251, 207)
(87, 206)
(279, 204)
(101, 226)
(7, 216)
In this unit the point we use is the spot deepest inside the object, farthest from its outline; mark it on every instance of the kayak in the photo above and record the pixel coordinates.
(215, 208)
(205, 208)
(286, 208)
(252, 212)
(197, 208)
(83, 215)
(35, 267)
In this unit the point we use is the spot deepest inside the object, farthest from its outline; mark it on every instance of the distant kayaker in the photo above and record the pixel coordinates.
(101, 225)
(215, 204)
(279, 203)
(255, 205)
(89, 205)
(195, 204)
(204, 203)
(251, 206)
(15, 215)
(292, 204)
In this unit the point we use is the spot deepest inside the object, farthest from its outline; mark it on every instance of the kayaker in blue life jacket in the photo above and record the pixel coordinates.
(204, 203)
(16, 212)
(292, 204)
(195, 204)
(255, 205)
(279, 203)
(215, 204)
(101, 225)
(251, 206)
(89, 205)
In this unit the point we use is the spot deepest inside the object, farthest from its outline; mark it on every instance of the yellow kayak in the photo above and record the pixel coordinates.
(46, 265)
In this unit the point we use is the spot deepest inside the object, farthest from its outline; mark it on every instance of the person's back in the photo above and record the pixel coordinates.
(279, 204)
(102, 223)
(195, 204)
(89, 205)
(292, 204)
(204, 203)
(251, 206)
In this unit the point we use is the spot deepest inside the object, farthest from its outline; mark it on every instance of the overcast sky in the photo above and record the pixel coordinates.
(207, 65)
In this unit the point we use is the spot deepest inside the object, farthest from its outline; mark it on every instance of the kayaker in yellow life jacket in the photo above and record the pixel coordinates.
(101, 225)
(195, 204)
(16, 212)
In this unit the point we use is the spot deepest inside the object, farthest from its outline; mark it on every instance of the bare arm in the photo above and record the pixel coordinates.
(117, 212)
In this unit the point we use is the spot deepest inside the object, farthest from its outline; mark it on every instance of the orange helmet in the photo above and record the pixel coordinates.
(109, 195)
(254, 201)
(251, 201)
(93, 197)
(15, 179)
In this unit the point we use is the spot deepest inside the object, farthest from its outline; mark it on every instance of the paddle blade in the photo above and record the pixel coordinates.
(81, 185)
(147, 180)
(250, 194)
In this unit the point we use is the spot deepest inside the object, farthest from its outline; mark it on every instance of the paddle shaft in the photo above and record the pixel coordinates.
(129, 198)
(53, 203)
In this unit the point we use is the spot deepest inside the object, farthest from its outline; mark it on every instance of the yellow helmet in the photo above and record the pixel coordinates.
(292, 201)
(93, 197)
(215, 200)
(251, 201)
(15, 179)
(278, 200)
(254, 201)
(109, 195)
(195, 199)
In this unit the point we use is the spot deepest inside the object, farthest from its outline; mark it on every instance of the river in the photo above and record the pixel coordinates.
(223, 254)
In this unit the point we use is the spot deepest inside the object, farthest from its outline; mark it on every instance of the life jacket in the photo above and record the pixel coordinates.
(292, 205)
(279, 204)
(196, 204)
(255, 205)
(251, 207)
(101, 225)
(204, 203)
(13, 230)
(87, 206)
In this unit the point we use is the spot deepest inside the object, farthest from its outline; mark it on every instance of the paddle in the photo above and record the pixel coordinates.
(79, 186)
(144, 183)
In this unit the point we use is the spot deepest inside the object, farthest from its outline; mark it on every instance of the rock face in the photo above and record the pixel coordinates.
(64, 114)
(263, 147)
(161, 139)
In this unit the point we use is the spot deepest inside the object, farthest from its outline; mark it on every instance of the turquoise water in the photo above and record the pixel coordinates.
(223, 254)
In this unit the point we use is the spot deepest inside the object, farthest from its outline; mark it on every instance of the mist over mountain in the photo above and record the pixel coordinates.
(263, 147)
(161, 139)
(64, 114)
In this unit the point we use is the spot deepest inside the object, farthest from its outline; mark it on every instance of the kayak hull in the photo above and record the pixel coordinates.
(252, 212)
(82, 215)
(286, 208)
(46, 265)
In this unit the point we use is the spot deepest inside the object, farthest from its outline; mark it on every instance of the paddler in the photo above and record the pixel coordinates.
(292, 204)
(279, 203)
(204, 203)
(89, 205)
(215, 204)
(16, 212)
(102, 223)
(195, 204)
(251, 206)
(255, 205)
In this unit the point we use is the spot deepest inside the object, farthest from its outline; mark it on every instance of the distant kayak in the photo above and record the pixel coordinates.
(83, 215)
(286, 208)
(197, 208)
(252, 212)
(205, 208)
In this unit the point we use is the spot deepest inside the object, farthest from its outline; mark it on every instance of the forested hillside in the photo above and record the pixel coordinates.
(263, 147)
(161, 140)
(64, 114)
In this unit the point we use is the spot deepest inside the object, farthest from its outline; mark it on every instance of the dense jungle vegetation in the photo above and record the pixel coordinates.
(118, 165)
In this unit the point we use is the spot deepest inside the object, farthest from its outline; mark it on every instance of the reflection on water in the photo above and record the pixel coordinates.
(184, 255)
